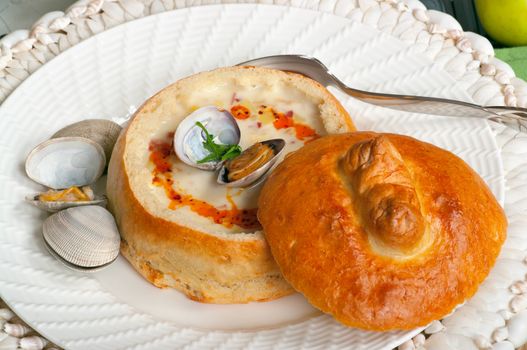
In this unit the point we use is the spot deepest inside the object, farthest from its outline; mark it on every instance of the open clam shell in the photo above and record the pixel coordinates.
(189, 138)
(55, 206)
(252, 165)
(102, 131)
(85, 236)
(66, 161)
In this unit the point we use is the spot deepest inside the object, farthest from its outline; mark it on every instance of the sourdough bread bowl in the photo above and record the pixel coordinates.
(381, 231)
(180, 228)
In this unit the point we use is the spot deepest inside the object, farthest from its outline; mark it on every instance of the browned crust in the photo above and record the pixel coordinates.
(205, 267)
(310, 224)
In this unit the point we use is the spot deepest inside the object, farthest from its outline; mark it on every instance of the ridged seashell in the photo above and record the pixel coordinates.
(487, 69)
(16, 330)
(407, 345)
(86, 237)
(519, 287)
(252, 164)
(64, 162)
(104, 132)
(419, 340)
(6, 314)
(9, 343)
(518, 303)
(434, 327)
(518, 329)
(54, 206)
(188, 139)
(500, 334)
(33, 343)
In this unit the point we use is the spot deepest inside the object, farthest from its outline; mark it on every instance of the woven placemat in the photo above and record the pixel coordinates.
(24, 51)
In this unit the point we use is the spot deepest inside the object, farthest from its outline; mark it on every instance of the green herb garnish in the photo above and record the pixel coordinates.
(218, 152)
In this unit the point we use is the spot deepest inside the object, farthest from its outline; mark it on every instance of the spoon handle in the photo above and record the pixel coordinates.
(511, 116)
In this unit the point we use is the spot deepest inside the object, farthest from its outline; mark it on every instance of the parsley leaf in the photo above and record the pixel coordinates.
(218, 152)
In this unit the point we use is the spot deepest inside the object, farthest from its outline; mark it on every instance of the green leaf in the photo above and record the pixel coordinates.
(218, 152)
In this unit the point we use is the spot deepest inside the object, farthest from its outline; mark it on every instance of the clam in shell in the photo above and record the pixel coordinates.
(252, 165)
(102, 131)
(85, 237)
(189, 138)
(53, 201)
(65, 162)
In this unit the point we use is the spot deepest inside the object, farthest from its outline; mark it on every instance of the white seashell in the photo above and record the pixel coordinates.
(188, 139)
(60, 23)
(24, 45)
(480, 56)
(16, 330)
(510, 100)
(500, 334)
(454, 34)
(6, 314)
(503, 345)
(13, 38)
(480, 43)
(517, 326)
(464, 45)
(64, 162)
(421, 15)
(508, 89)
(518, 303)
(434, 327)
(473, 65)
(419, 340)
(502, 66)
(506, 314)
(482, 342)
(76, 11)
(487, 69)
(33, 343)
(519, 287)
(9, 343)
(502, 77)
(407, 345)
(43, 23)
(444, 20)
(434, 28)
(102, 131)
(83, 236)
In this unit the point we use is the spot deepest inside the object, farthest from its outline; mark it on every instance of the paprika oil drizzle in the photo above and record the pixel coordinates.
(160, 152)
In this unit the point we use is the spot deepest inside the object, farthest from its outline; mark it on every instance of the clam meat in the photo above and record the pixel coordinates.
(53, 201)
(189, 138)
(65, 162)
(102, 131)
(252, 164)
(85, 237)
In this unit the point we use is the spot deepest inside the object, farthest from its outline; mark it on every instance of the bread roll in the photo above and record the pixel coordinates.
(381, 231)
(180, 228)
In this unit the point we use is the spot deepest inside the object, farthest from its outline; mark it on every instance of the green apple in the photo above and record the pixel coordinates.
(504, 20)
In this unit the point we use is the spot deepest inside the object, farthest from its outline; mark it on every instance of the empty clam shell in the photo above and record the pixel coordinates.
(65, 162)
(252, 164)
(102, 131)
(188, 139)
(86, 236)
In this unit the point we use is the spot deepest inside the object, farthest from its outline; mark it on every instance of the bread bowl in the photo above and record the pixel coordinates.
(179, 228)
(381, 231)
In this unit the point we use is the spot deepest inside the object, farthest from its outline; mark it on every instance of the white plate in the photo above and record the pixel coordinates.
(111, 73)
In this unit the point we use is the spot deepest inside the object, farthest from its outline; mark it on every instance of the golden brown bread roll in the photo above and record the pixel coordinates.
(381, 231)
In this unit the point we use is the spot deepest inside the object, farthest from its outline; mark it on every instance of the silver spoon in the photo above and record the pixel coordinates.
(311, 67)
